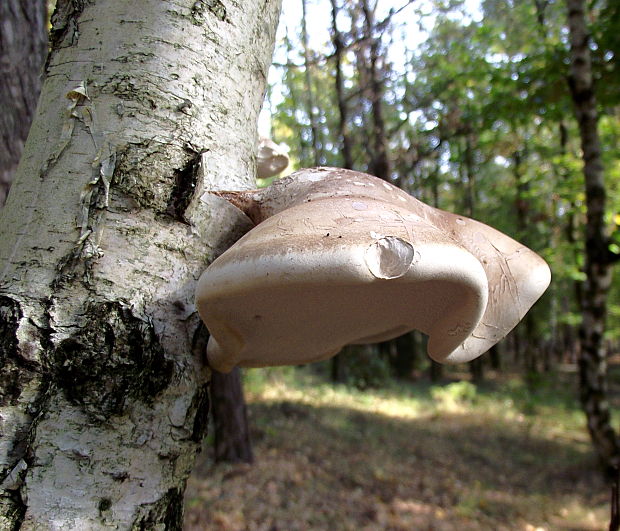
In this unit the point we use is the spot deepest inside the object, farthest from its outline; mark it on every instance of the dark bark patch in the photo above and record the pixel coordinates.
(166, 513)
(186, 181)
(114, 358)
(15, 371)
(12, 509)
(201, 8)
(10, 314)
(104, 505)
(64, 21)
(200, 404)
(19, 371)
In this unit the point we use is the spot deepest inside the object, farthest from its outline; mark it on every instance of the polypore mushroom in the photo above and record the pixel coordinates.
(339, 257)
(271, 158)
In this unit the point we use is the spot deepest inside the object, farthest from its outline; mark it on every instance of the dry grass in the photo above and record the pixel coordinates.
(408, 458)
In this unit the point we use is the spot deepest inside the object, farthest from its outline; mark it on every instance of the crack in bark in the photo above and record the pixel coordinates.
(10, 364)
(86, 250)
(19, 375)
(200, 401)
(12, 510)
(166, 513)
(64, 24)
(186, 185)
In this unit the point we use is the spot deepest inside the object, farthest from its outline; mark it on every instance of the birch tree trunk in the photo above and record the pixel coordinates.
(146, 107)
(593, 357)
(23, 47)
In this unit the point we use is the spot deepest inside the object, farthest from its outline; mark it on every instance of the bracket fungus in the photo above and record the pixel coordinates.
(338, 257)
(271, 158)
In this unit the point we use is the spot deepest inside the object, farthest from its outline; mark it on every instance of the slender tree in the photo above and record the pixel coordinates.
(230, 419)
(146, 106)
(374, 60)
(343, 126)
(598, 259)
(309, 89)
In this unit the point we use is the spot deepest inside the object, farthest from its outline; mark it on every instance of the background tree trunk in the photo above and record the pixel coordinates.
(230, 418)
(380, 162)
(23, 47)
(468, 177)
(309, 93)
(103, 388)
(593, 357)
(343, 128)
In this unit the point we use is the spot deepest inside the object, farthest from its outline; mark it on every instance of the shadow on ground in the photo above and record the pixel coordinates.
(333, 468)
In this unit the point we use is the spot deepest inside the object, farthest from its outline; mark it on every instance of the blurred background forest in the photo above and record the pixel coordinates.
(476, 108)
(477, 118)
(507, 111)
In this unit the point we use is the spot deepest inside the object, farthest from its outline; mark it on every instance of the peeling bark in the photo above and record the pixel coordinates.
(147, 106)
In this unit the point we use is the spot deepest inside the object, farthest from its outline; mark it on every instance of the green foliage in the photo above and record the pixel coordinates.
(254, 380)
(479, 120)
(455, 395)
(364, 367)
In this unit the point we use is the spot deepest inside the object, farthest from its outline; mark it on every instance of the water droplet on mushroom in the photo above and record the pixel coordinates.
(358, 205)
(389, 257)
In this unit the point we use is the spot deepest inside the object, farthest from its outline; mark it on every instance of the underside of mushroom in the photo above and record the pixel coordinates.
(339, 257)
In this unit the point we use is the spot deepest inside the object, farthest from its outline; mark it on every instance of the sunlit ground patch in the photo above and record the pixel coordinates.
(412, 456)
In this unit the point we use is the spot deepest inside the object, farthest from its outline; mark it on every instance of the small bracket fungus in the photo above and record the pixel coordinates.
(271, 158)
(338, 257)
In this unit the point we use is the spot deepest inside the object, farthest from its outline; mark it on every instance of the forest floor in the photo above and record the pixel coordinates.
(506, 455)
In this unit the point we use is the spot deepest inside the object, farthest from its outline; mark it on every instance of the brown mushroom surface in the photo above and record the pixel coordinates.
(339, 257)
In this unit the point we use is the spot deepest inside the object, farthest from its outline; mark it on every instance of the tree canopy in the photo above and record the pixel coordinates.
(470, 108)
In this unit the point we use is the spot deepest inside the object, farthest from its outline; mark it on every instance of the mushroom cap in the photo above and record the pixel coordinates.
(271, 159)
(340, 257)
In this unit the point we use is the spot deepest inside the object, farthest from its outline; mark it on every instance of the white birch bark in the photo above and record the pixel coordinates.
(147, 105)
